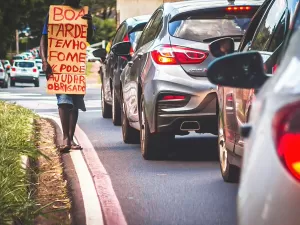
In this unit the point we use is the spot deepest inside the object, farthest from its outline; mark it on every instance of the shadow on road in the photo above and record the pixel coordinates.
(194, 148)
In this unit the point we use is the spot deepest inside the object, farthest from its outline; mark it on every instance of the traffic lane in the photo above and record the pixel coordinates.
(185, 189)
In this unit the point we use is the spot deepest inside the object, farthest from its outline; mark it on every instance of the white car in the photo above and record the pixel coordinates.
(24, 71)
(3, 77)
(40, 66)
(28, 55)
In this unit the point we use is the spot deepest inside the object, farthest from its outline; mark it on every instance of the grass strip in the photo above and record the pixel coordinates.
(17, 137)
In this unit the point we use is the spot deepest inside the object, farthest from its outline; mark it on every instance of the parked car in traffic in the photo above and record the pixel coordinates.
(24, 71)
(266, 34)
(165, 91)
(4, 78)
(112, 67)
(269, 190)
(6, 65)
(39, 65)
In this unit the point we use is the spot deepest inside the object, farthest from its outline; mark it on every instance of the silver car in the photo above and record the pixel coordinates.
(269, 192)
(165, 91)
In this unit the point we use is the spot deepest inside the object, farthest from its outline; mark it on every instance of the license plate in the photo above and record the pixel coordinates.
(24, 70)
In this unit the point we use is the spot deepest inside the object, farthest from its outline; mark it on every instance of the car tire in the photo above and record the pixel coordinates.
(116, 109)
(12, 84)
(5, 84)
(37, 83)
(153, 146)
(106, 108)
(230, 173)
(130, 135)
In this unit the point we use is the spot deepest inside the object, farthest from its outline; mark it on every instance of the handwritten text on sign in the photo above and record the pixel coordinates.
(67, 36)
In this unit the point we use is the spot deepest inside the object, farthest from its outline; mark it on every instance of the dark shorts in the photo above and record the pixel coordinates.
(77, 101)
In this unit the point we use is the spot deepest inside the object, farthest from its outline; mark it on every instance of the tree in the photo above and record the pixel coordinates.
(102, 8)
(104, 29)
(10, 20)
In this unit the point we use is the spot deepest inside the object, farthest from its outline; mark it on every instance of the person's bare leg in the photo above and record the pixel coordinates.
(64, 114)
(72, 124)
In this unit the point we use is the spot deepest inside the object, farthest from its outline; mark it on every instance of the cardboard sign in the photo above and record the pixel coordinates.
(67, 43)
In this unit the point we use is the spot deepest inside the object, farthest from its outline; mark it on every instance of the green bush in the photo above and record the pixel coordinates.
(17, 137)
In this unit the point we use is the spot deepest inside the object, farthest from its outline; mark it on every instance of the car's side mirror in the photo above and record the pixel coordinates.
(99, 53)
(121, 49)
(221, 47)
(240, 70)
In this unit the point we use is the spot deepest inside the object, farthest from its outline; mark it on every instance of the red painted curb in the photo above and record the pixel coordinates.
(112, 212)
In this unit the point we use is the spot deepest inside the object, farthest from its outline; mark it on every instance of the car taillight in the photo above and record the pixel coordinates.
(172, 55)
(173, 97)
(238, 8)
(286, 132)
(34, 70)
(13, 69)
(274, 68)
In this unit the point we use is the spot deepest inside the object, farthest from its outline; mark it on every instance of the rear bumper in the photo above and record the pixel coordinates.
(200, 105)
(24, 79)
(202, 119)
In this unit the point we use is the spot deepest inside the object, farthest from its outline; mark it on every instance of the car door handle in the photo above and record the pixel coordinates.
(130, 63)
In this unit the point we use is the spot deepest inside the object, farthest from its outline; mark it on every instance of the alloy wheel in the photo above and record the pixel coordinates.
(222, 150)
(143, 128)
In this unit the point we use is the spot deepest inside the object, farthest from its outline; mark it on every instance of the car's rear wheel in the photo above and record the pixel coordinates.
(37, 83)
(106, 108)
(230, 173)
(12, 84)
(153, 146)
(116, 109)
(130, 135)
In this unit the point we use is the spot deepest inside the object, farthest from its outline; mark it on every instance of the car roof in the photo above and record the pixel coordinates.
(185, 6)
(22, 60)
(137, 20)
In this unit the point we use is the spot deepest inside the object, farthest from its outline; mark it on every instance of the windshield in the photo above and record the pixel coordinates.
(24, 64)
(194, 29)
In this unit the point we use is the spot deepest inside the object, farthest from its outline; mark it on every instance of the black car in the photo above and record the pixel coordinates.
(165, 91)
(266, 34)
(129, 30)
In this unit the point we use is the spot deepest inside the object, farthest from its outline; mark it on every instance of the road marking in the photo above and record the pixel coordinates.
(111, 208)
(91, 202)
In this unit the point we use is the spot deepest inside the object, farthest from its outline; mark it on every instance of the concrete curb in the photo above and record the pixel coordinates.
(83, 189)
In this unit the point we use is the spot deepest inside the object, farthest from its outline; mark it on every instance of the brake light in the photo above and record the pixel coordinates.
(34, 70)
(286, 129)
(173, 97)
(13, 69)
(238, 8)
(274, 68)
(172, 55)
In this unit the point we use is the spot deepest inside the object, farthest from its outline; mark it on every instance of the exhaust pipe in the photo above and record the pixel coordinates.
(190, 126)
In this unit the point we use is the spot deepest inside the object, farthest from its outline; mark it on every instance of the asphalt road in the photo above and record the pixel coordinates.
(185, 189)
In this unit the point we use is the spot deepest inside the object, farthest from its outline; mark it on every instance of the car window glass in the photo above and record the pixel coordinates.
(267, 27)
(278, 36)
(151, 29)
(120, 34)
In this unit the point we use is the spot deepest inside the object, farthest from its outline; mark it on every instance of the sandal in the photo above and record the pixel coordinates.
(76, 147)
(64, 148)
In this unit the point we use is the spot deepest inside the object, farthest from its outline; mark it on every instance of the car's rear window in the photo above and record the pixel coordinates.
(38, 62)
(206, 28)
(24, 64)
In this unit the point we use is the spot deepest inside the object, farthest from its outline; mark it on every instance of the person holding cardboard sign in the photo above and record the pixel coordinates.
(68, 104)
